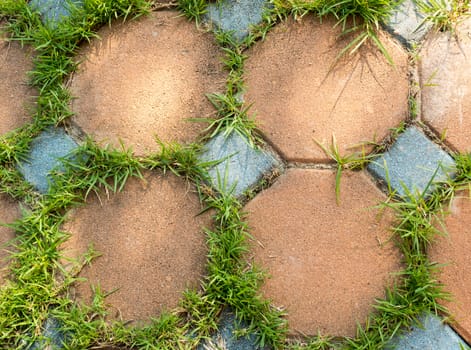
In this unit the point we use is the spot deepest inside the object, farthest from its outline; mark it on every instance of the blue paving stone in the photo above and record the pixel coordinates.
(245, 166)
(226, 337)
(431, 335)
(45, 155)
(236, 15)
(412, 161)
(52, 336)
(407, 23)
(54, 11)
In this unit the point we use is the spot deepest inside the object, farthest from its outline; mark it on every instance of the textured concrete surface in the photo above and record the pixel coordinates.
(413, 161)
(15, 94)
(407, 23)
(46, 152)
(236, 16)
(445, 71)
(152, 244)
(9, 212)
(299, 95)
(243, 166)
(53, 337)
(147, 78)
(431, 334)
(54, 11)
(453, 252)
(226, 337)
(326, 266)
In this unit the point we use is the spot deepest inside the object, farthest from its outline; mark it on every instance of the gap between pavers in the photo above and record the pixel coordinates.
(54, 12)
(430, 334)
(407, 23)
(452, 252)
(328, 262)
(300, 95)
(152, 243)
(45, 155)
(413, 161)
(15, 94)
(236, 16)
(242, 166)
(445, 80)
(147, 78)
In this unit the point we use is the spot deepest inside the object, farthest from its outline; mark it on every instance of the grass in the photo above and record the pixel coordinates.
(39, 283)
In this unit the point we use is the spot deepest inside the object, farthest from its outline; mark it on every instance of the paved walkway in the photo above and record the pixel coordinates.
(329, 257)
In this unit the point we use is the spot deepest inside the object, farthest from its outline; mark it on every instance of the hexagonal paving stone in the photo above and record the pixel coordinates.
(445, 70)
(45, 155)
(9, 211)
(407, 23)
(54, 11)
(244, 165)
(328, 262)
(152, 244)
(430, 334)
(15, 94)
(299, 96)
(147, 78)
(413, 161)
(236, 16)
(453, 251)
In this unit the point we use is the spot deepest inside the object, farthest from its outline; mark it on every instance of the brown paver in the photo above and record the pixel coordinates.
(453, 251)
(147, 78)
(15, 94)
(152, 244)
(299, 97)
(326, 261)
(445, 72)
(9, 211)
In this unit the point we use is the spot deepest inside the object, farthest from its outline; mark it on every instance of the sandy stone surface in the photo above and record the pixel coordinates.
(328, 263)
(453, 251)
(152, 244)
(299, 97)
(9, 211)
(445, 70)
(15, 94)
(147, 78)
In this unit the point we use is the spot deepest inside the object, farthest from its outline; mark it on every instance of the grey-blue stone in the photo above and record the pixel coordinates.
(236, 16)
(433, 335)
(54, 11)
(413, 161)
(407, 23)
(245, 165)
(46, 152)
(226, 337)
(52, 337)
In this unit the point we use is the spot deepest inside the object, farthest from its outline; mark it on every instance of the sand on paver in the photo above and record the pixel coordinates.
(298, 96)
(9, 211)
(147, 78)
(445, 72)
(453, 251)
(327, 262)
(152, 244)
(15, 93)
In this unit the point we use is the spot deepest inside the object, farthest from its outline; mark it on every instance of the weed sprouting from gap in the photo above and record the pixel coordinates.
(445, 15)
(38, 284)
